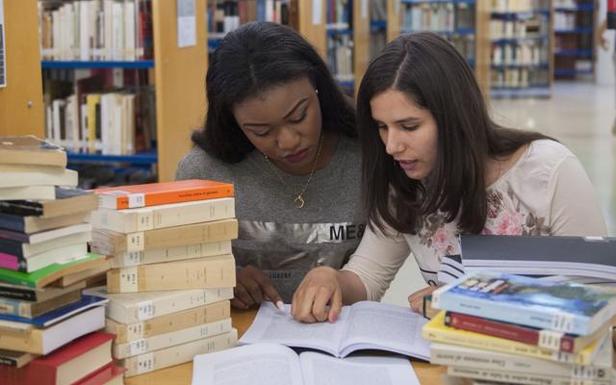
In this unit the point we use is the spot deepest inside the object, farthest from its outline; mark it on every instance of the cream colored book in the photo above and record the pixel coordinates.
(30, 175)
(202, 273)
(168, 323)
(179, 354)
(166, 340)
(113, 243)
(521, 377)
(134, 308)
(163, 216)
(169, 254)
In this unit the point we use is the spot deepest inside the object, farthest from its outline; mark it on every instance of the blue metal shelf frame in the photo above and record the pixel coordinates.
(144, 158)
(543, 66)
(378, 25)
(571, 72)
(438, 1)
(580, 30)
(77, 64)
(583, 53)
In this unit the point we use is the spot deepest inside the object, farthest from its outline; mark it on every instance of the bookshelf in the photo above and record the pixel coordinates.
(21, 101)
(463, 22)
(574, 44)
(175, 76)
(521, 60)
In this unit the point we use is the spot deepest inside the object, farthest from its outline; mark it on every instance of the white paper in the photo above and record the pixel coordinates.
(364, 325)
(2, 47)
(187, 23)
(317, 10)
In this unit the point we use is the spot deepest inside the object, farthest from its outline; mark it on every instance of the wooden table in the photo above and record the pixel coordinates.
(182, 374)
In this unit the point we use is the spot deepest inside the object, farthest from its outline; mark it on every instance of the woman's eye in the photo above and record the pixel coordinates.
(299, 118)
(409, 128)
(264, 133)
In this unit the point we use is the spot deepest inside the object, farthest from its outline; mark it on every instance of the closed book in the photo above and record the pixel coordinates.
(51, 273)
(43, 341)
(546, 339)
(29, 309)
(169, 323)
(67, 364)
(453, 355)
(563, 307)
(134, 308)
(46, 236)
(166, 340)
(14, 359)
(30, 150)
(178, 354)
(27, 192)
(203, 273)
(84, 275)
(158, 217)
(436, 331)
(113, 243)
(31, 175)
(68, 201)
(28, 293)
(28, 250)
(109, 374)
(519, 377)
(34, 224)
(44, 259)
(169, 254)
(153, 194)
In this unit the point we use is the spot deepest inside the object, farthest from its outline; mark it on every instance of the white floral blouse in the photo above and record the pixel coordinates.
(546, 192)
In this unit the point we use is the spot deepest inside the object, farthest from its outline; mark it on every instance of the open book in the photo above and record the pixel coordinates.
(364, 325)
(271, 364)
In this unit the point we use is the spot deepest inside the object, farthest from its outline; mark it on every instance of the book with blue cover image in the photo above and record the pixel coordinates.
(563, 307)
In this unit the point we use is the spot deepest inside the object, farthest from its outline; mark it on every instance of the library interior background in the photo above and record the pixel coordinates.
(543, 65)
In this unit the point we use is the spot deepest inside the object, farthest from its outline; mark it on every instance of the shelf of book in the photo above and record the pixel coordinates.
(87, 64)
(104, 93)
(574, 26)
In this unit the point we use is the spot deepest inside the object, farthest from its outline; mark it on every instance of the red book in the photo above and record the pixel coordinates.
(107, 375)
(153, 194)
(546, 339)
(66, 365)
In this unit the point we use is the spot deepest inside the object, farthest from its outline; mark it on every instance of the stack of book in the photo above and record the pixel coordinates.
(521, 330)
(172, 270)
(44, 265)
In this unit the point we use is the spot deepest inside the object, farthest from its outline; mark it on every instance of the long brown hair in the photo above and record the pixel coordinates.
(430, 71)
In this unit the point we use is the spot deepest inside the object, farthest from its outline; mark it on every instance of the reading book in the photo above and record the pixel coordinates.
(563, 307)
(266, 364)
(363, 325)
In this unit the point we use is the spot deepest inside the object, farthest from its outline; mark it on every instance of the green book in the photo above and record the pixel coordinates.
(51, 273)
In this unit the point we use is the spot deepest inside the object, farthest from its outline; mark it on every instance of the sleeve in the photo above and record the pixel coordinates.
(574, 208)
(185, 169)
(377, 260)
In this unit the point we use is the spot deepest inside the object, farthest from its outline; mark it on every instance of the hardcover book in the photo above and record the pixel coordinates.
(30, 150)
(68, 201)
(562, 307)
(153, 194)
(66, 365)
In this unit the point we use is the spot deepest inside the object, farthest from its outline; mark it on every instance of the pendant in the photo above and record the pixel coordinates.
(299, 201)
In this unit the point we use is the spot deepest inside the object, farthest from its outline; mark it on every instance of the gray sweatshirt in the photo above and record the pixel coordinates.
(276, 236)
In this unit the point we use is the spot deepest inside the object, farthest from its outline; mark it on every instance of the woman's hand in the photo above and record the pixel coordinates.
(252, 288)
(319, 297)
(416, 299)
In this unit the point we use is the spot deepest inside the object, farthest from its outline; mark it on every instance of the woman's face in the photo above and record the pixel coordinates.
(284, 123)
(408, 131)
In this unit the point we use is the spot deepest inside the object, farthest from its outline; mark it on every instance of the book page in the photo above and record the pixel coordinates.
(320, 369)
(257, 364)
(375, 325)
(273, 325)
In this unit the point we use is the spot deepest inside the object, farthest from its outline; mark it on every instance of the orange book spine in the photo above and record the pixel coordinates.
(166, 197)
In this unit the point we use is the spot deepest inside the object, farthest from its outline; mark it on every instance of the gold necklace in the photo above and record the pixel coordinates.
(299, 198)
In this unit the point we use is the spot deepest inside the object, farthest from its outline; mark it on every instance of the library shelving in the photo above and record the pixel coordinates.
(574, 28)
(463, 22)
(521, 61)
(126, 69)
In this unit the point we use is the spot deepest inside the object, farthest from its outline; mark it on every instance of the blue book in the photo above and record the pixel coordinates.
(45, 320)
(562, 307)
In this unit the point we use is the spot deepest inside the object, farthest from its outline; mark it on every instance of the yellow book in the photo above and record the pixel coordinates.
(437, 331)
(92, 100)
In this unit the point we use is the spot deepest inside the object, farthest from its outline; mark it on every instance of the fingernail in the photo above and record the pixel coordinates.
(280, 305)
